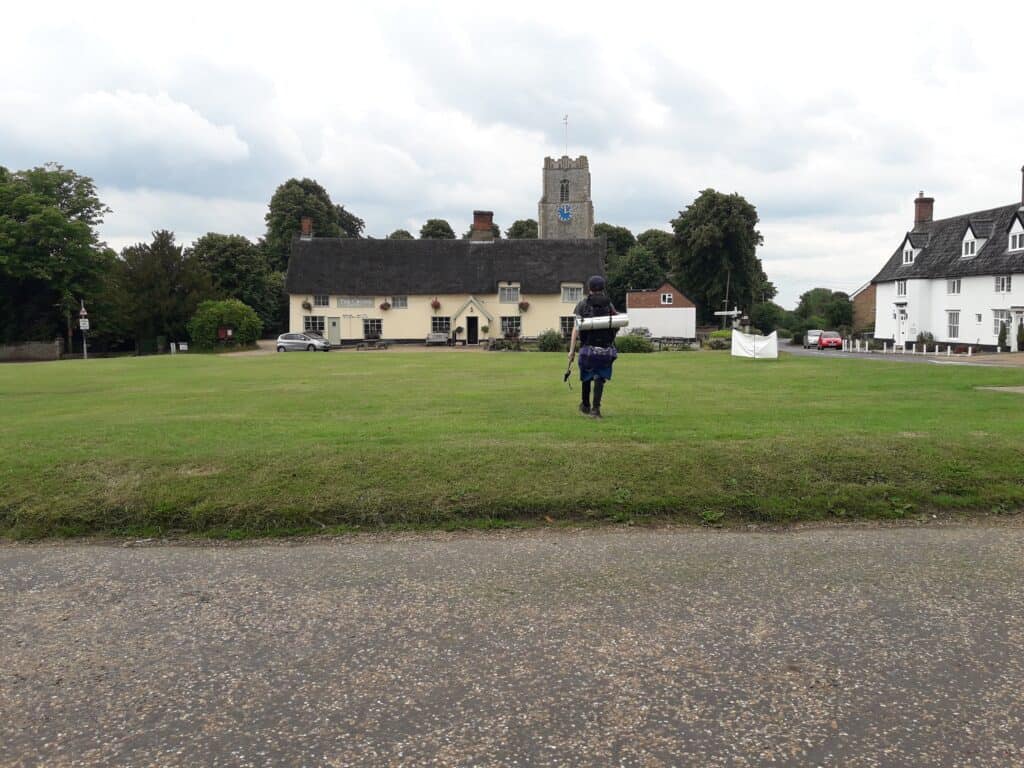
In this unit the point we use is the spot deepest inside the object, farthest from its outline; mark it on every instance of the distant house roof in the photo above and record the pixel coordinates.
(941, 242)
(647, 300)
(418, 267)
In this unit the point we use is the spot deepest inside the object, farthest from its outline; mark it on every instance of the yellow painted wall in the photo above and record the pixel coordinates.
(544, 313)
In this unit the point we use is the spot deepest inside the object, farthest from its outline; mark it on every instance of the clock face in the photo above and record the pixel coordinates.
(564, 212)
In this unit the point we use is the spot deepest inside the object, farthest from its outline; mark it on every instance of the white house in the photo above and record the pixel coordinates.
(957, 278)
(663, 311)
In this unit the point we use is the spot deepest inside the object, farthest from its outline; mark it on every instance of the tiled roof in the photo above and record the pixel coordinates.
(941, 243)
(420, 267)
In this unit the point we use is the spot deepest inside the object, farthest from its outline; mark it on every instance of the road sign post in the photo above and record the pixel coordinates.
(83, 323)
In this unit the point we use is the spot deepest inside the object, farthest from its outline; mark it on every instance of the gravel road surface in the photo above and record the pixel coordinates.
(829, 647)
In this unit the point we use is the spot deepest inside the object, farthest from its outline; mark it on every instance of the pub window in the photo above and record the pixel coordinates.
(508, 294)
(373, 327)
(313, 323)
(571, 293)
(399, 302)
(440, 324)
(321, 300)
(511, 326)
(567, 324)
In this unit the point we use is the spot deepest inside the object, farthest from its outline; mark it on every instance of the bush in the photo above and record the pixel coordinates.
(717, 342)
(1002, 335)
(551, 341)
(925, 337)
(231, 313)
(798, 337)
(724, 334)
(784, 333)
(633, 343)
(1020, 337)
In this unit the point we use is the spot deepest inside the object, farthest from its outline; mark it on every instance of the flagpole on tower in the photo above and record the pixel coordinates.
(566, 121)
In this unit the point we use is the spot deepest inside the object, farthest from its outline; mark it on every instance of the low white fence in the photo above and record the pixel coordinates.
(911, 348)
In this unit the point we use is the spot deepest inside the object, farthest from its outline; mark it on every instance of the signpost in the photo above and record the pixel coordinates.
(83, 323)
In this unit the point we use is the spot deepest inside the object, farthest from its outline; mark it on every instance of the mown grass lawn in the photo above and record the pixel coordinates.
(236, 445)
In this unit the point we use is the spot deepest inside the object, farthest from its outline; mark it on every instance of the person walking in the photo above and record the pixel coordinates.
(597, 348)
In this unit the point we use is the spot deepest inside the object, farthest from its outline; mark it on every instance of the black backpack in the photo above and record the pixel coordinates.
(598, 305)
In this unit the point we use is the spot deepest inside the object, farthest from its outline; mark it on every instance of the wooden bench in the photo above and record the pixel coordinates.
(436, 338)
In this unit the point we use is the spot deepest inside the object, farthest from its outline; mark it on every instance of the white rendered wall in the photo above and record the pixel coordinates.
(677, 322)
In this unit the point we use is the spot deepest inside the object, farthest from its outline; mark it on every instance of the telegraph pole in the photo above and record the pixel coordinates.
(83, 323)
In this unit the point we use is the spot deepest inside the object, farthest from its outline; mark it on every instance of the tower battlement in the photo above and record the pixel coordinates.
(566, 163)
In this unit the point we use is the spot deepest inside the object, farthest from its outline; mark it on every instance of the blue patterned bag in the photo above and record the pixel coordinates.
(597, 357)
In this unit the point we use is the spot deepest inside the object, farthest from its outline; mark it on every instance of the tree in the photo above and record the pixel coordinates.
(293, 200)
(661, 244)
(1001, 341)
(768, 316)
(437, 229)
(495, 232)
(211, 316)
(166, 286)
(716, 251)
(833, 308)
(239, 270)
(400, 234)
(618, 241)
(639, 269)
(50, 253)
(522, 229)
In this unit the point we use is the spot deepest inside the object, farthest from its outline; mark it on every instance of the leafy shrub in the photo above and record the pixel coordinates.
(633, 343)
(723, 334)
(798, 337)
(784, 333)
(1020, 337)
(925, 337)
(1002, 335)
(231, 313)
(551, 341)
(719, 343)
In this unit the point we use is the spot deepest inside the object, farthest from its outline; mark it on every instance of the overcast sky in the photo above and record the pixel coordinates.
(829, 119)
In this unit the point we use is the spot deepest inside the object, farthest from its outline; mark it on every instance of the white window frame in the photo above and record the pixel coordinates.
(953, 323)
(373, 322)
(968, 249)
(321, 300)
(563, 191)
(572, 294)
(566, 323)
(313, 323)
(666, 298)
(901, 287)
(399, 302)
(440, 324)
(1002, 283)
(511, 321)
(953, 286)
(1017, 241)
(354, 302)
(908, 256)
(508, 294)
(1001, 316)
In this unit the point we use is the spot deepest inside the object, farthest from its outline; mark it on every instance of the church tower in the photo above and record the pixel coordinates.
(565, 210)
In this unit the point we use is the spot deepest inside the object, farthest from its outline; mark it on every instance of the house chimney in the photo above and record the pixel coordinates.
(924, 207)
(483, 223)
(307, 228)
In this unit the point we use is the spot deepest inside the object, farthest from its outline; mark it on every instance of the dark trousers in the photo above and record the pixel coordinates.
(598, 391)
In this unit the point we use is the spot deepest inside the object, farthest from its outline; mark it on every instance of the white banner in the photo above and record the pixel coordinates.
(757, 347)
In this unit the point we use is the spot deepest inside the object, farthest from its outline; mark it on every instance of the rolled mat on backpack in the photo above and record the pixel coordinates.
(602, 322)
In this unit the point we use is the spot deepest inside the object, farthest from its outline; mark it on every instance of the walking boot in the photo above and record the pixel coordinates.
(584, 409)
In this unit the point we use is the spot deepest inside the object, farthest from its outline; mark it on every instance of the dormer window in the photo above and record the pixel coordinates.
(908, 255)
(666, 298)
(1017, 235)
(563, 193)
(969, 247)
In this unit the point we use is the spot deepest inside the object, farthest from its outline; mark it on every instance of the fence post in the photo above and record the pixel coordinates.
(968, 351)
(947, 350)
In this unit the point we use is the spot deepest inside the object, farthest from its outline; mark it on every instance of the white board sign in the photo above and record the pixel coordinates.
(84, 324)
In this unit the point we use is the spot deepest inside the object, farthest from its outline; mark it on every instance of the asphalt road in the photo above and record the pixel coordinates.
(830, 647)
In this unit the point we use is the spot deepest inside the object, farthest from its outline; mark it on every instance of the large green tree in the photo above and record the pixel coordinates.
(239, 269)
(661, 244)
(293, 200)
(437, 229)
(400, 234)
(522, 229)
(823, 307)
(638, 269)
(166, 285)
(716, 252)
(495, 232)
(50, 254)
(618, 240)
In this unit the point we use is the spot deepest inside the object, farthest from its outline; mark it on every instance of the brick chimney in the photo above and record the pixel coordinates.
(307, 228)
(924, 208)
(483, 223)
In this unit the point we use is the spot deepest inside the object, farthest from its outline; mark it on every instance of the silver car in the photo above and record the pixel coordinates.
(811, 338)
(294, 342)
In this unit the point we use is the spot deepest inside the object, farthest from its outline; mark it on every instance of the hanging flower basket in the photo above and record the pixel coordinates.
(385, 306)
(523, 306)
(435, 305)
(307, 306)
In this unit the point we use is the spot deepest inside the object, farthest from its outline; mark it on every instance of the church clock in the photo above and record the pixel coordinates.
(565, 213)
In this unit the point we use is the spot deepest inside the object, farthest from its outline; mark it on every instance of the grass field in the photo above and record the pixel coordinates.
(236, 445)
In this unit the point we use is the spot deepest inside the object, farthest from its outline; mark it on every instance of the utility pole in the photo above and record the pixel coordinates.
(83, 323)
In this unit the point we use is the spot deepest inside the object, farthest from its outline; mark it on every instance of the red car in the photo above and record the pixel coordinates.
(830, 339)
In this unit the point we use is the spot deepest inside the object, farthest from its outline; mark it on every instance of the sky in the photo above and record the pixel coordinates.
(828, 119)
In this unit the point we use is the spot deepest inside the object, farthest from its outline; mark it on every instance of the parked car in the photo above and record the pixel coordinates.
(811, 338)
(310, 342)
(830, 340)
